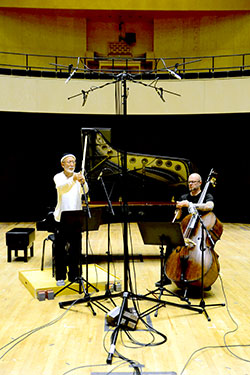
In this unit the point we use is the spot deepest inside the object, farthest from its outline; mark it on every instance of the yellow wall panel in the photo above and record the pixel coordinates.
(160, 34)
(42, 32)
(201, 34)
(131, 4)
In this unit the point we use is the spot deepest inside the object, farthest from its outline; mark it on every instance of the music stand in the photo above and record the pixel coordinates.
(163, 234)
(75, 222)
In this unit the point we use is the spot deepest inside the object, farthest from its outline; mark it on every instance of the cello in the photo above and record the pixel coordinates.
(186, 265)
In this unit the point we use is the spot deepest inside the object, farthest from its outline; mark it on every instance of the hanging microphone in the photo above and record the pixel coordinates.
(84, 97)
(192, 209)
(100, 175)
(174, 74)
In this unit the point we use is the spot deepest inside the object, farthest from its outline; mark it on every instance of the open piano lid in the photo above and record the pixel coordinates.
(145, 172)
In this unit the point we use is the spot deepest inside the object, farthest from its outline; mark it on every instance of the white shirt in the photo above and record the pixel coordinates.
(69, 194)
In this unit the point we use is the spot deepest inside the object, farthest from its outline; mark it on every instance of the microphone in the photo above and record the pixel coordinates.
(175, 75)
(100, 175)
(84, 97)
(192, 209)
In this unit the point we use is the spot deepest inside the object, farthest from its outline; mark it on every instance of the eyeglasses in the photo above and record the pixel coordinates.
(193, 182)
(70, 162)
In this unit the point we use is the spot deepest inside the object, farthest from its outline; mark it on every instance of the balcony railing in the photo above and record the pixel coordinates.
(187, 67)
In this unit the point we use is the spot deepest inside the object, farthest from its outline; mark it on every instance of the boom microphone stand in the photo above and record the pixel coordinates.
(126, 294)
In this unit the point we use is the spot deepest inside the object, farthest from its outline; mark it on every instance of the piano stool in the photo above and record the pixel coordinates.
(20, 239)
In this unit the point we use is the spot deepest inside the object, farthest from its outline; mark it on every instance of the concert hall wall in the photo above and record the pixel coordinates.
(163, 28)
(32, 144)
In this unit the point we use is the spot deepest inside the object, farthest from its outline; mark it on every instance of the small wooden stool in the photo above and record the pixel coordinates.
(20, 239)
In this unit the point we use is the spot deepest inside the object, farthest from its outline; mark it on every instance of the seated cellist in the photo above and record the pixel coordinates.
(194, 185)
(192, 198)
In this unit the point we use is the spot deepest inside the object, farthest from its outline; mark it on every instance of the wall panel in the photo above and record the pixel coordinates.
(28, 94)
(158, 33)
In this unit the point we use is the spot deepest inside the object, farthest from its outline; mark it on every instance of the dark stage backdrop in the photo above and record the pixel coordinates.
(32, 144)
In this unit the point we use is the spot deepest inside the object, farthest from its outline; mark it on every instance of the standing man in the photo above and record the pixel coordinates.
(69, 186)
(192, 197)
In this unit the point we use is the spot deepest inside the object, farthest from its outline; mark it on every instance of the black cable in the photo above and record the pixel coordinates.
(136, 365)
(212, 347)
(136, 305)
(25, 335)
(226, 346)
(236, 325)
(88, 366)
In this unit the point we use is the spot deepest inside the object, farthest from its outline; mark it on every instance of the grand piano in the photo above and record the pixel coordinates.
(132, 181)
(145, 177)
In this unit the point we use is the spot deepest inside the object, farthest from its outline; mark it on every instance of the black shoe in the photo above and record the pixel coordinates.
(165, 281)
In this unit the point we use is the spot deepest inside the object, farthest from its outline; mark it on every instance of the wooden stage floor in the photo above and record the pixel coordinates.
(40, 338)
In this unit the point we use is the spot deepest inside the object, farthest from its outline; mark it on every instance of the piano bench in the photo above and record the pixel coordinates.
(20, 239)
